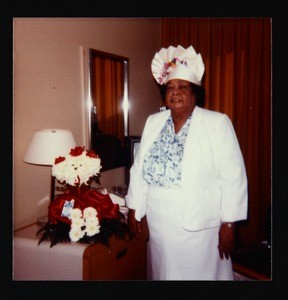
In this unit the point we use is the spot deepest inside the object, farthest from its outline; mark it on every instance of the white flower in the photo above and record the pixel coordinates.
(76, 234)
(89, 212)
(76, 213)
(92, 220)
(92, 228)
(77, 222)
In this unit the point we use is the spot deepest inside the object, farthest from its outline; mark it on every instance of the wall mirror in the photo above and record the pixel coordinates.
(107, 107)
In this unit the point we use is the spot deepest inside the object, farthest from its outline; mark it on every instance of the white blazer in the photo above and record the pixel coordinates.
(214, 181)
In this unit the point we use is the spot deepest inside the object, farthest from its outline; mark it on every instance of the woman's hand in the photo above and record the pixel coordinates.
(134, 225)
(226, 240)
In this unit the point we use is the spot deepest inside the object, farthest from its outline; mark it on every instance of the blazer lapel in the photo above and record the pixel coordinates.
(154, 129)
(198, 153)
(193, 149)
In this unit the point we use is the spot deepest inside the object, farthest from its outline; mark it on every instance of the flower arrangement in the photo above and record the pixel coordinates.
(81, 214)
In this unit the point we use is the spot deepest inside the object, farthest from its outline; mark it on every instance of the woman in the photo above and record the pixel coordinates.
(188, 177)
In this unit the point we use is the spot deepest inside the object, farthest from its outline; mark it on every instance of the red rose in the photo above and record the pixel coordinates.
(91, 154)
(59, 160)
(78, 150)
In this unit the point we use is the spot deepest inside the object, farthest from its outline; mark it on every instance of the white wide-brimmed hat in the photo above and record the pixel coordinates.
(177, 63)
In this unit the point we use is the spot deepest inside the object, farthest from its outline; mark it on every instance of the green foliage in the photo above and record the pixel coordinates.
(59, 233)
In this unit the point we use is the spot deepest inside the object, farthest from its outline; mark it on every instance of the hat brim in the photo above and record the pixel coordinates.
(183, 72)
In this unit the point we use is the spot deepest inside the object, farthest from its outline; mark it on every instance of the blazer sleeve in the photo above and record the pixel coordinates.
(231, 173)
(135, 198)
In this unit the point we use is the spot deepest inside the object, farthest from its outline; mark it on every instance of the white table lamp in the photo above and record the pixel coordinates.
(46, 145)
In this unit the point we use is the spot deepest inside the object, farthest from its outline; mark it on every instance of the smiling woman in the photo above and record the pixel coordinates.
(188, 178)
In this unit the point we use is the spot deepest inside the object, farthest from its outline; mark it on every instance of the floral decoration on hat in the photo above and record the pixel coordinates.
(171, 63)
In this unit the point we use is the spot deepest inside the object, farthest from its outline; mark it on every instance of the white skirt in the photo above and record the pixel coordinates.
(178, 254)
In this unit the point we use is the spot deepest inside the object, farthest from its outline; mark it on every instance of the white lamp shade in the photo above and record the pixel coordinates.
(48, 144)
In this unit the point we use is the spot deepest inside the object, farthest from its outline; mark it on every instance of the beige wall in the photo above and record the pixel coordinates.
(49, 90)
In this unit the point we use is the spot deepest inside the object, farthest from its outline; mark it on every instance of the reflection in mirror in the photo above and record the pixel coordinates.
(108, 116)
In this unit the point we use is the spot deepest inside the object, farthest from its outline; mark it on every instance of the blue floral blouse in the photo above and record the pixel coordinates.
(162, 163)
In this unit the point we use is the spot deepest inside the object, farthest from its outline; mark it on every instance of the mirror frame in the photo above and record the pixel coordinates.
(89, 100)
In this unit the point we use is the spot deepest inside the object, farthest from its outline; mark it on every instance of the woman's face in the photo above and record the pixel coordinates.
(179, 96)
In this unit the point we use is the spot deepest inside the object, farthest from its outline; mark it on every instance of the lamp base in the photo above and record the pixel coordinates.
(42, 221)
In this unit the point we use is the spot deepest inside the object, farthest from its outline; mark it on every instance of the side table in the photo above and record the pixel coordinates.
(123, 260)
